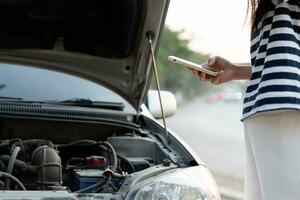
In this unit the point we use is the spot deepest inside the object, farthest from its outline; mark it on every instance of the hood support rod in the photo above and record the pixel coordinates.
(150, 36)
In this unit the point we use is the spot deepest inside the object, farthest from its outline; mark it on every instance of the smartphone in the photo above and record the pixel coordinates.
(192, 65)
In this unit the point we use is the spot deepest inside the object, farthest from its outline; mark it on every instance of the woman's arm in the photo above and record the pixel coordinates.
(227, 71)
(276, 2)
(242, 71)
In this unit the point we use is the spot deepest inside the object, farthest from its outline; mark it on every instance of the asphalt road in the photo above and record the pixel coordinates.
(215, 133)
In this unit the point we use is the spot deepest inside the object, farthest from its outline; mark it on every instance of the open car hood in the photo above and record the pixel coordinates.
(103, 41)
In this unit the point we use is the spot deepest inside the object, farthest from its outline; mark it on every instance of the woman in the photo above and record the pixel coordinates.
(272, 100)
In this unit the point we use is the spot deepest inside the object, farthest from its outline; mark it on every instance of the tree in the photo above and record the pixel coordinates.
(176, 78)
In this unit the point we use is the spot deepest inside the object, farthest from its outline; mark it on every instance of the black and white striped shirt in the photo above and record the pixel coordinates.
(275, 59)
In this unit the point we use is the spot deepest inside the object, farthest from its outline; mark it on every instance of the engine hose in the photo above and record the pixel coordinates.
(19, 164)
(113, 186)
(11, 177)
(109, 173)
(2, 185)
(11, 164)
(99, 184)
(128, 162)
(114, 154)
(79, 142)
(92, 142)
(2, 166)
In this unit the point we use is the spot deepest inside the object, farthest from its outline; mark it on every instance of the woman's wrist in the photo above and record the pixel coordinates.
(241, 72)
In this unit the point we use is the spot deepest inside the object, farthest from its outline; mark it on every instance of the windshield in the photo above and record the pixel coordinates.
(35, 84)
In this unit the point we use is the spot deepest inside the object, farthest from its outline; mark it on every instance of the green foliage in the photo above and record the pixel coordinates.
(2, 86)
(173, 77)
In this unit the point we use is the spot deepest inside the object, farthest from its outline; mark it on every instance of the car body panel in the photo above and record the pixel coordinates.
(127, 74)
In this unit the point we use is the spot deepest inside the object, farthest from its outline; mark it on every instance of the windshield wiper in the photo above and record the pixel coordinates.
(89, 103)
(72, 102)
(11, 98)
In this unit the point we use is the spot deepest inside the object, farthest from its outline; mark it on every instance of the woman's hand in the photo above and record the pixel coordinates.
(226, 71)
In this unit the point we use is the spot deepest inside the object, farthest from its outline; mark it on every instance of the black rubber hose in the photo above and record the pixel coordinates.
(2, 166)
(11, 177)
(19, 164)
(11, 164)
(114, 154)
(2, 185)
(113, 186)
(79, 142)
(92, 142)
(99, 184)
(128, 162)
(110, 173)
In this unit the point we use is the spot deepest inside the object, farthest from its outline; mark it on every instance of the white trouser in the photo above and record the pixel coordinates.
(273, 156)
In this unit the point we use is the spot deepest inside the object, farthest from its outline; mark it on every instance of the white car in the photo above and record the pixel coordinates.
(76, 121)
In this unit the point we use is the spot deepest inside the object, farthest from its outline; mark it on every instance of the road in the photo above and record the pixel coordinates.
(215, 133)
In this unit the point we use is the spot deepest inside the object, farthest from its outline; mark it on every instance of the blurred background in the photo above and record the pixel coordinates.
(208, 116)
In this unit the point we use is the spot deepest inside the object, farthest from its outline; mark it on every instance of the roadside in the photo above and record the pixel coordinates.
(231, 187)
(215, 133)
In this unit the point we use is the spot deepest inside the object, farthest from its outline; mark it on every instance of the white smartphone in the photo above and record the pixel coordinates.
(192, 65)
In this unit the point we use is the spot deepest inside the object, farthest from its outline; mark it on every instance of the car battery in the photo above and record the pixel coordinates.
(86, 177)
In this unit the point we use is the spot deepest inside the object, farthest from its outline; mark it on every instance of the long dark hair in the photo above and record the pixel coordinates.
(257, 9)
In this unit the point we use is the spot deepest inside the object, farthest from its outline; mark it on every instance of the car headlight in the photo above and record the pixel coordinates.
(195, 183)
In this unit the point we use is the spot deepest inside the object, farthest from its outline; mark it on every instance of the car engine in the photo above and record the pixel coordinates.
(83, 166)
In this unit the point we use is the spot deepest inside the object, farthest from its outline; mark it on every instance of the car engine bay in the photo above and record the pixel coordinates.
(82, 157)
(83, 166)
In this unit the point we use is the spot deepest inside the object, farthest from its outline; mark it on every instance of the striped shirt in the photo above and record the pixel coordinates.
(275, 60)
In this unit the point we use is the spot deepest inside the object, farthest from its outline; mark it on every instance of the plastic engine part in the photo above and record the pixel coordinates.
(48, 162)
(140, 163)
(98, 161)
